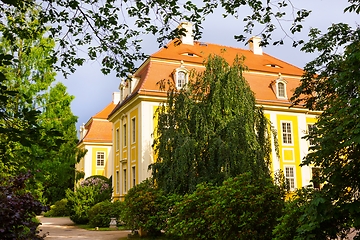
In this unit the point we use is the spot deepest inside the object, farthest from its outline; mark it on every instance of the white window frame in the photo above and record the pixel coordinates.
(289, 176)
(285, 140)
(101, 161)
(281, 90)
(117, 139)
(176, 73)
(133, 130)
(125, 180)
(117, 182)
(282, 82)
(124, 134)
(133, 170)
(310, 141)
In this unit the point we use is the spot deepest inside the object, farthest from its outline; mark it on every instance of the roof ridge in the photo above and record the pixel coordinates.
(104, 111)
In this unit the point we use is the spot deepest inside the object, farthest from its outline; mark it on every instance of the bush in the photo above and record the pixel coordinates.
(59, 209)
(103, 186)
(187, 216)
(101, 213)
(89, 192)
(146, 207)
(18, 209)
(241, 208)
(251, 206)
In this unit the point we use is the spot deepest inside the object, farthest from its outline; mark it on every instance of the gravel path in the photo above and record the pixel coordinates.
(63, 228)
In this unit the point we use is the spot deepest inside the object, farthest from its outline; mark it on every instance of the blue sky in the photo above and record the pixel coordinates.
(93, 90)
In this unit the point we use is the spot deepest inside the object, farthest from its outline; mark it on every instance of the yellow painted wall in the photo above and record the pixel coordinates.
(290, 154)
(96, 170)
(116, 156)
(81, 164)
(134, 158)
(155, 123)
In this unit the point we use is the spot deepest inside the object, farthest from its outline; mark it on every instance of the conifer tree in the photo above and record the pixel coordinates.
(210, 130)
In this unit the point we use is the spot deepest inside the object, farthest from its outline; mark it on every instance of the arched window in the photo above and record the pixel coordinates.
(181, 76)
(279, 87)
(181, 79)
(281, 90)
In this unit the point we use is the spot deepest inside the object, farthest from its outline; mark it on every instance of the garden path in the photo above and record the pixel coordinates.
(63, 228)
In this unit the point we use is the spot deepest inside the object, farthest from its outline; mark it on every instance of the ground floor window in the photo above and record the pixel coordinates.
(290, 176)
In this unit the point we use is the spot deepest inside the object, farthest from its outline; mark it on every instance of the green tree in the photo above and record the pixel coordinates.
(210, 130)
(25, 78)
(52, 148)
(331, 84)
(99, 24)
(58, 164)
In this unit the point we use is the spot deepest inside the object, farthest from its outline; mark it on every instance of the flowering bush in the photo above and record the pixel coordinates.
(89, 192)
(102, 186)
(92, 181)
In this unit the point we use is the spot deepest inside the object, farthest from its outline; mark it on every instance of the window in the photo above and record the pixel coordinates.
(286, 132)
(100, 158)
(311, 128)
(315, 177)
(279, 87)
(281, 90)
(117, 182)
(181, 79)
(133, 176)
(290, 177)
(133, 130)
(117, 139)
(125, 183)
(124, 133)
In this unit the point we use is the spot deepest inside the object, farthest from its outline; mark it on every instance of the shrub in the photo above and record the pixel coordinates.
(187, 216)
(101, 213)
(80, 201)
(18, 209)
(59, 209)
(251, 206)
(88, 193)
(242, 208)
(146, 207)
(103, 186)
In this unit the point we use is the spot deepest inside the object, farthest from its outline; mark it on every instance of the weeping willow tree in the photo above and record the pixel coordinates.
(210, 130)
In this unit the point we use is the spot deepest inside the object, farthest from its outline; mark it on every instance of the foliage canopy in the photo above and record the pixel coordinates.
(331, 84)
(210, 130)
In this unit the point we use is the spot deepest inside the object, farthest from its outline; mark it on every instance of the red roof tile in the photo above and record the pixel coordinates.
(262, 70)
(98, 128)
(99, 131)
(104, 113)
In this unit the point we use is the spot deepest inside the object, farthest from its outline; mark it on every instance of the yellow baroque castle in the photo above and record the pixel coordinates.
(272, 80)
(96, 140)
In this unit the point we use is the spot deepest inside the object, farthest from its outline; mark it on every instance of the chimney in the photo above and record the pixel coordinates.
(116, 97)
(188, 38)
(255, 47)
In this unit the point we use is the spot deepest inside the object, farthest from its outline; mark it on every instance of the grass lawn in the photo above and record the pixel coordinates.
(87, 227)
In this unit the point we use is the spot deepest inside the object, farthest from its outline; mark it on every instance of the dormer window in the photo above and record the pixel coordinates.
(181, 79)
(281, 90)
(279, 87)
(181, 76)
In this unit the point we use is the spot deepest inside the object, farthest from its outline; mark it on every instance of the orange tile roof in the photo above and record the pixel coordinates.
(99, 132)
(104, 113)
(98, 128)
(202, 50)
(161, 65)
